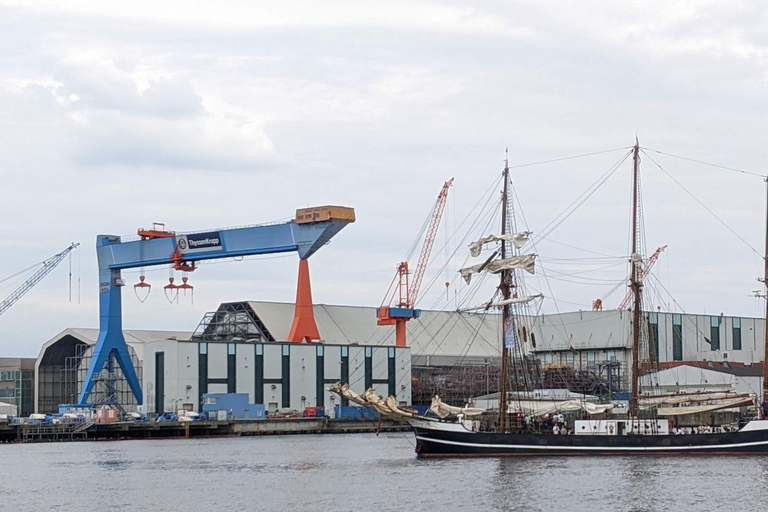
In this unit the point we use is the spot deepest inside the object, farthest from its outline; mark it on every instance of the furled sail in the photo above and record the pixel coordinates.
(371, 400)
(345, 392)
(443, 410)
(391, 402)
(377, 403)
(519, 239)
(682, 398)
(697, 409)
(542, 407)
(501, 303)
(525, 262)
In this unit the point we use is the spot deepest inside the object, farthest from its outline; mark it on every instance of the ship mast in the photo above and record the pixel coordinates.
(636, 284)
(504, 287)
(765, 281)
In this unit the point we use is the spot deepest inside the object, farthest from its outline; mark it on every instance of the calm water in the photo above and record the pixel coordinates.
(359, 472)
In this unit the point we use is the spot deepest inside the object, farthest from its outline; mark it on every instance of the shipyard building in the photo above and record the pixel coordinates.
(17, 378)
(241, 348)
(578, 345)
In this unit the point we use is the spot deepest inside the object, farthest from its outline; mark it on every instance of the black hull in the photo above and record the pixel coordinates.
(433, 442)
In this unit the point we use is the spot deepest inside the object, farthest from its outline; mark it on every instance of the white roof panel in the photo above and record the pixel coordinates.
(436, 333)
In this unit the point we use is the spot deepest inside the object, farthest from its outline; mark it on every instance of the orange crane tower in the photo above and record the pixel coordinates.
(408, 291)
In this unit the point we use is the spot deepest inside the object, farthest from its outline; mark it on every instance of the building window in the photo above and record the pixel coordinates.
(610, 355)
(286, 350)
(569, 358)
(344, 351)
(368, 351)
(231, 349)
(653, 336)
(677, 337)
(391, 351)
(203, 347)
(737, 334)
(259, 350)
(320, 351)
(549, 358)
(714, 332)
(591, 358)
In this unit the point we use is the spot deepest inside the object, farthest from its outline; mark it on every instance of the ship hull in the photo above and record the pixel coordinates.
(440, 439)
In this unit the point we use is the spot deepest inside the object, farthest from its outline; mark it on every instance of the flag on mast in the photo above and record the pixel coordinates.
(509, 332)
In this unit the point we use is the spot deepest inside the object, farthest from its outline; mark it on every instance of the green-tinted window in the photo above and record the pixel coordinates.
(653, 336)
(677, 337)
(714, 332)
(737, 334)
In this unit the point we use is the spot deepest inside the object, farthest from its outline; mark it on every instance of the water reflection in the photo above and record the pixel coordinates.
(347, 472)
(114, 460)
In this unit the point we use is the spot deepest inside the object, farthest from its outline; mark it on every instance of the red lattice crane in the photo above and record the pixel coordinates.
(407, 290)
(646, 270)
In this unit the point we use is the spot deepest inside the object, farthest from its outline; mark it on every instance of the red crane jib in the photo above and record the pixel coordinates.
(409, 290)
(429, 241)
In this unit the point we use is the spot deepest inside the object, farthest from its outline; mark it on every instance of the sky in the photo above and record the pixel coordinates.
(114, 115)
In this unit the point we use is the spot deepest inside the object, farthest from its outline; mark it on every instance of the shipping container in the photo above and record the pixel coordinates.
(106, 415)
(358, 413)
(233, 406)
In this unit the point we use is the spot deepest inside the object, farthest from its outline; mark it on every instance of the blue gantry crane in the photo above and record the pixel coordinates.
(46, 267)
(305, 234)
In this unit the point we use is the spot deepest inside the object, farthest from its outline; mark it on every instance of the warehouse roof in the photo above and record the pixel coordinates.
(55, 350)
(436, 334)
(437, 338)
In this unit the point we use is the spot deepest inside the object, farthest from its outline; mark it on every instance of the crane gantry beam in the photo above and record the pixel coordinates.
(306, 234)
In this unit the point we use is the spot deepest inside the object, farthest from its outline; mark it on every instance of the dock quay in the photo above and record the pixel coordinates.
(27, 433)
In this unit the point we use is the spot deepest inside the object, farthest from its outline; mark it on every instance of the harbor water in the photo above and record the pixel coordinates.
(359, 472)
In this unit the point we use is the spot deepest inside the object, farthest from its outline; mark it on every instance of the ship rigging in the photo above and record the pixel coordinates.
(514, 428)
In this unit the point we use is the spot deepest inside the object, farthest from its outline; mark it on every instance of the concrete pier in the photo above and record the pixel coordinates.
(233, 428)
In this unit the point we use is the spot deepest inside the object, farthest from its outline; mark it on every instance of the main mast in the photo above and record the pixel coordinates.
(635, 284)
(504, 287)
(765, 281)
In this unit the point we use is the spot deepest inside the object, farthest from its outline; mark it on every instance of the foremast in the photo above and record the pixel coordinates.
(636, 284)
(505, 292)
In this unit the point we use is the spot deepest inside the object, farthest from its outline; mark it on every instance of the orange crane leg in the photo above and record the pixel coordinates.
(304, 327)
(400, 340)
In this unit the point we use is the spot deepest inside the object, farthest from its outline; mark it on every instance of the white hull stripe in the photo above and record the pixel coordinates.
(594, 448)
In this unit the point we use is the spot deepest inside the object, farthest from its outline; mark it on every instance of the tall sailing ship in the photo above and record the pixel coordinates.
(522, 423)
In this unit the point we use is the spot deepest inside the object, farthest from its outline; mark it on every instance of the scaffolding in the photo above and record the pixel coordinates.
(234, 321)
(602, 379)
(111, 388)
(454, 384)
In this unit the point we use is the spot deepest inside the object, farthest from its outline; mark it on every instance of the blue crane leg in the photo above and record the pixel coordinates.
(98, 358)
(124, 360)
(111, 340)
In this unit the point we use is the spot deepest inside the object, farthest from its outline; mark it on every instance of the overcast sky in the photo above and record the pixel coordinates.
(200, 115)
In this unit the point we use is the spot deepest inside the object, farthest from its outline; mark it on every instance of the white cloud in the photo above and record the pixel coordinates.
(116, 115)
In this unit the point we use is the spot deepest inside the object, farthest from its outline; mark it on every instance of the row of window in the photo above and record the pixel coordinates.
(232, 350)
(677, 339)
(15, 375)
(567, 358)
(677, 334)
